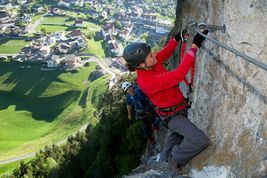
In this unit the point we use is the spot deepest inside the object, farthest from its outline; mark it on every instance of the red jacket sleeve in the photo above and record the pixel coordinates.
(167, 51)
(169, 79)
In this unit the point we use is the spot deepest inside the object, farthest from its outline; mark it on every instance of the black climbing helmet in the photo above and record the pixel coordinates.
(135, 53)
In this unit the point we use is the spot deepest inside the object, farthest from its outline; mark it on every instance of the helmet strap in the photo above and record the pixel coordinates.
(145, 68)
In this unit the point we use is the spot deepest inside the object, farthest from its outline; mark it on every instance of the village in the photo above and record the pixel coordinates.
(66, 47)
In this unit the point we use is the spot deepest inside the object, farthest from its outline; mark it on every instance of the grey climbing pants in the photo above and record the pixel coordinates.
(184, 140)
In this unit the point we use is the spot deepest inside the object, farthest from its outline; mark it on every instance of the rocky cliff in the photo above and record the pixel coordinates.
(230, 94)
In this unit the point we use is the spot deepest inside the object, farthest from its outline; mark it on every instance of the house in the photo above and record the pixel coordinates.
(149, 27)
(81, 42)
(37, 43)
(47, 41)
(104, 14)
(37, 9)
(71, 61)
(120, 2)
(149, 17)
(78, 23)
(25, 19)
(64, 4)
(133, 16)
(4, 26)
(75, 34)
(63, 48)
(60, 36)
(45, 50)
(28, 50)
(79, 3)
(108, 28)
(54, 61)
(14, 30)
(51, 64)
(21, 1)
(162, 29)
(125, 21)
(56, 11)
(3, 2)
(125, 34)
(110, 38)
(114, 48)
(77, 43)
(72, 43)
(3, 16)
(122, 64)
(93, 14)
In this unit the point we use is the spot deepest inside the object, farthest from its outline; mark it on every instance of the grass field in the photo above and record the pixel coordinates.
(9, 46)
(36, 17)
(95, 48)
(39, 108)
(53, 24)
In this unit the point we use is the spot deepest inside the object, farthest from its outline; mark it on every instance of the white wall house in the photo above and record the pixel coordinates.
(63, 48)
(54, 61)
(64, 4)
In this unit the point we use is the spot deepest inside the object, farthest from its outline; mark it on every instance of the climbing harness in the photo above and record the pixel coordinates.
(171, 108)
(163, 112)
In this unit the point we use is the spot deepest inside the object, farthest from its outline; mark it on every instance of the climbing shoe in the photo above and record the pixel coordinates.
(176, 168)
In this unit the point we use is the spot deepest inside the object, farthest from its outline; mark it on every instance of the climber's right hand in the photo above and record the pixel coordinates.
(198, 39)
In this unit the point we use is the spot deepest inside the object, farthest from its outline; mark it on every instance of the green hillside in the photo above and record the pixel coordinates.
(41, 107)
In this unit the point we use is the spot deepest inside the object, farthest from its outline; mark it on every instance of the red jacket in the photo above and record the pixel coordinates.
(161, 85)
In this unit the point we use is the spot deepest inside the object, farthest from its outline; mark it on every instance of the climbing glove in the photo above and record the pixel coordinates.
(198, 39)
(181, 35)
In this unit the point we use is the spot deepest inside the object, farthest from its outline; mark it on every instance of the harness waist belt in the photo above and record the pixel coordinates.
(172, 108)
(168, 119)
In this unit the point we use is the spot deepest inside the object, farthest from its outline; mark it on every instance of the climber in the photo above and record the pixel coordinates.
(184, 140)
(137, 101)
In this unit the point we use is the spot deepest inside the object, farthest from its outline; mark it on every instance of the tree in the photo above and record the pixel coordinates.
(118, 25)
(43, 30)
(145, 36)
(20, 24)
(45, 8)
(90, 34)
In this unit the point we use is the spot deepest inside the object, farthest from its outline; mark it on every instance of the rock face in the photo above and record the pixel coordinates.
(230, 94)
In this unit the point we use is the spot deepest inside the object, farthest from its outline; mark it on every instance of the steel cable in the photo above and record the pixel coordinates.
(244, 56)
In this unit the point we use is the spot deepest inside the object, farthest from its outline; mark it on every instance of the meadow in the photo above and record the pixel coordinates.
(12, 46)
(65, 23)
(43, 107)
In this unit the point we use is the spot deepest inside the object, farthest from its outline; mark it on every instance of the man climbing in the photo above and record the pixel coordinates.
(184, 139)
(137, 102)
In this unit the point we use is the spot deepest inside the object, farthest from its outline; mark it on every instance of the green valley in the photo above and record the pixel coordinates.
(43, 107)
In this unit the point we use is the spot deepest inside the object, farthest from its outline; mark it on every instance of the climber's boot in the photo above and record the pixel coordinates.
(176, 168)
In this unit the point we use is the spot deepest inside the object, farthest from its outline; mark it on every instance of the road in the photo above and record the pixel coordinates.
(33, 26)
(13, 54)
(112, 81)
